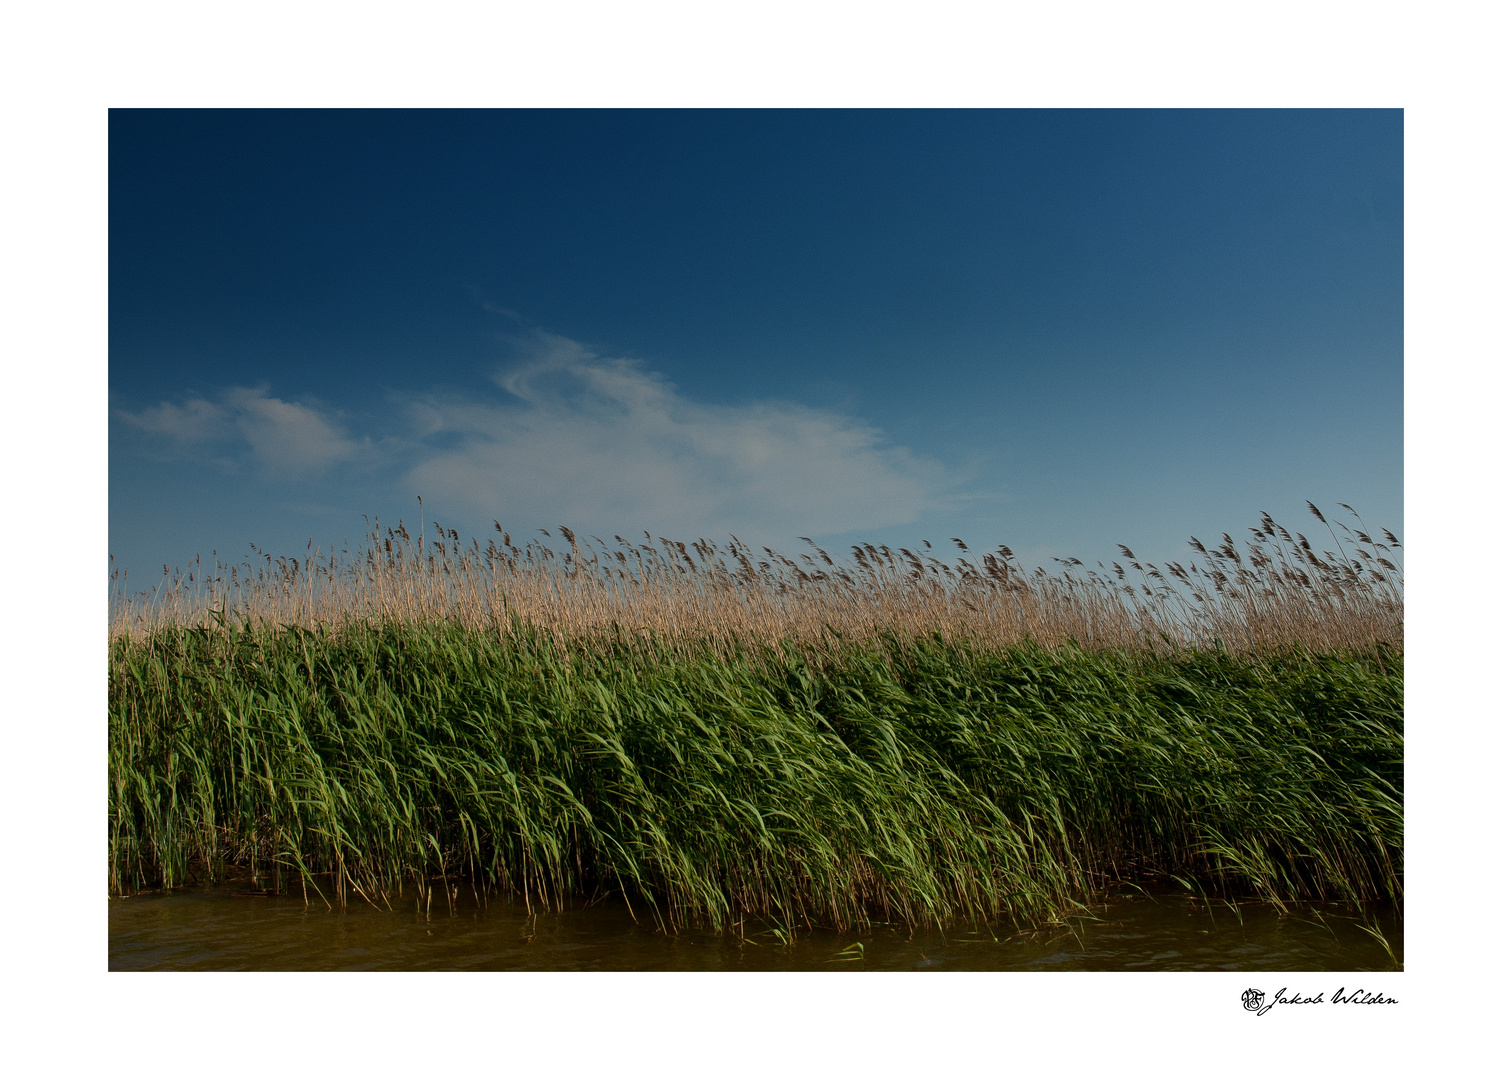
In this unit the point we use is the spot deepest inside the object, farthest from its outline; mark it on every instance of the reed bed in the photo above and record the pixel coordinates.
(1278, 592)
(711, 736)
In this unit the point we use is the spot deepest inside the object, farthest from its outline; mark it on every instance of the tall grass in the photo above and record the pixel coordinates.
(710, 735)
(1279, 591)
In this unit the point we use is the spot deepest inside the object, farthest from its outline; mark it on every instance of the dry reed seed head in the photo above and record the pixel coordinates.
(781, 599)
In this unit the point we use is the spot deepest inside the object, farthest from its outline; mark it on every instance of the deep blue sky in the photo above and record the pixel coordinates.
(1058, 330)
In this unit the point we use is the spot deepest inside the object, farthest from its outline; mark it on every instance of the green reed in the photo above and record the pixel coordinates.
(916, 779)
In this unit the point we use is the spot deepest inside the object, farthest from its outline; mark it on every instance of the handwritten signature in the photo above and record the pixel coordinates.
(1254, 1000)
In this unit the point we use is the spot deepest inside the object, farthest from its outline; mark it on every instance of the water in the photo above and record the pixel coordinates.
(213, 929)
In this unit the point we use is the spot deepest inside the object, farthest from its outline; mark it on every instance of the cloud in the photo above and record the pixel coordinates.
(195, 421)
(284, 435)
(605, 444)
(281, 435)
(601, 444)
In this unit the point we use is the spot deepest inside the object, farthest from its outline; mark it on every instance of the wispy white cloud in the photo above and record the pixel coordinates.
(283, 436)
(195, 421)
(599, 444)
(605, 444)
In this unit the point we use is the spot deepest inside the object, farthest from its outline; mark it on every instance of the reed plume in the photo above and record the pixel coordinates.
(1279, 591)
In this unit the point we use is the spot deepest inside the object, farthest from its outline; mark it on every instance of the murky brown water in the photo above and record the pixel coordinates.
(212, 929)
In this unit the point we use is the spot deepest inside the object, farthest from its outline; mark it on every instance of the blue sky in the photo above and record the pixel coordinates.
(1058, 330)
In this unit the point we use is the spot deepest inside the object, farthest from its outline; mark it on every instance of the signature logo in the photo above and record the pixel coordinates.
(1254, 1000)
